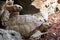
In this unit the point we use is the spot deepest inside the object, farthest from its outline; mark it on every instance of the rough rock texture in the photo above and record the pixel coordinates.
(54, 18)
(53, 33)
(9, 35)
(46, 7)
(1, 4)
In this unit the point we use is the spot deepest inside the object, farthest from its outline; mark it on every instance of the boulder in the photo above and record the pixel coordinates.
(9, 35)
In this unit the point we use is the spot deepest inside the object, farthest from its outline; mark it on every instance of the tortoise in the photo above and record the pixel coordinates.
(25, 24)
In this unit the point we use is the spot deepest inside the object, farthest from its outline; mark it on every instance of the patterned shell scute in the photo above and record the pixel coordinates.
(28, 20)
(25, 23)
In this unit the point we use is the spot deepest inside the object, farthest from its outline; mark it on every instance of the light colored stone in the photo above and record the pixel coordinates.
(9, 35)
(46, 7)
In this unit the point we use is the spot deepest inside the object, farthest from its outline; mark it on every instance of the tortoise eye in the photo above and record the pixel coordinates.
(19, 7)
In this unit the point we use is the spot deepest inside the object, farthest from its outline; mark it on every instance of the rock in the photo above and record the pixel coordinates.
(54, 29)
(46, 7)
(9, 35)
(54, 18)
(1, 4)
(53, 33)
